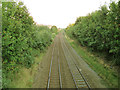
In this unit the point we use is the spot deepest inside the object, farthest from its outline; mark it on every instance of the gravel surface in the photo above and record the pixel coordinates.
(56, 53)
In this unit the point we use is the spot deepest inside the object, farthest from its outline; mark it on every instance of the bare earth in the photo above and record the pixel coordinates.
(61, 54)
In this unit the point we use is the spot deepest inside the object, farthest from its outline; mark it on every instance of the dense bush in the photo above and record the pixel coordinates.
(54, 29)
(42, 37)
(100, 31)
(21, 37)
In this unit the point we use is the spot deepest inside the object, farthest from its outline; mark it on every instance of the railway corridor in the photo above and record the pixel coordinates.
(62, 67)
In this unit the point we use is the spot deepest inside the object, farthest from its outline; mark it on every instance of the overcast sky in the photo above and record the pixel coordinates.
(61, 12)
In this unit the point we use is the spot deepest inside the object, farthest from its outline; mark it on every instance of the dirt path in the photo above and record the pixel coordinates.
(65, 68)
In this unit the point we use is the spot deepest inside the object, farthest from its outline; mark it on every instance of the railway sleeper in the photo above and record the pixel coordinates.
(82, 86)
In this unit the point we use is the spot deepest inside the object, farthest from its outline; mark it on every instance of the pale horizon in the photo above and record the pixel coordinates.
(61, 13)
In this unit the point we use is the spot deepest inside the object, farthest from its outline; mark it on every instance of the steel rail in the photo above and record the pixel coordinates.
(77, 66)
(83, 77)
(50, 68)
(69, 67)
(48, 85)
(79, 69)
(59, 70)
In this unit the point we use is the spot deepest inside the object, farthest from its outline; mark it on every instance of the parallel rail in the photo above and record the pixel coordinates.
(49, 78)
(79, 79)
(78, 67)
(70, 69)
(59, 71)
(48, 84)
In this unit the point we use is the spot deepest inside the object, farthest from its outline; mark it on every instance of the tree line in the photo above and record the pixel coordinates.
(22, 39)
(100, 31)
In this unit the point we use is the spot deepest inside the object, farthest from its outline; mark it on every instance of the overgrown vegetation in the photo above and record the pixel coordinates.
(109, 76)
(100, 31)
(54, 29)
(25, 77)
(22, 39)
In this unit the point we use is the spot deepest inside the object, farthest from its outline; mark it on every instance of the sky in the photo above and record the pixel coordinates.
(61, 13)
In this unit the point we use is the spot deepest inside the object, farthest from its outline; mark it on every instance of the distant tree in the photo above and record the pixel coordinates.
(69, 26)
(54, 29)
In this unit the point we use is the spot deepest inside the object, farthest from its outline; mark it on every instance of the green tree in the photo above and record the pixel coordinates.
(21, 39)
(100, 31)
(54, 29)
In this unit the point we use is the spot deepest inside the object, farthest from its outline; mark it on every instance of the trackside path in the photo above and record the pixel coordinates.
(62, 67)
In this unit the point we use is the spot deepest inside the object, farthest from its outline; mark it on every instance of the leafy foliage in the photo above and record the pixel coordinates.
(54, 29)
(100, 31)
(21, 38)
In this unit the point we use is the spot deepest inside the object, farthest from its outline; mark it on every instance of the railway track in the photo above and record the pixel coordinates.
(54, 79)
(62, 67)
(55, 76)
(78, 77)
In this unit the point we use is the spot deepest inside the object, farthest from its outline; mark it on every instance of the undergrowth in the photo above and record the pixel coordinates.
(109, 75)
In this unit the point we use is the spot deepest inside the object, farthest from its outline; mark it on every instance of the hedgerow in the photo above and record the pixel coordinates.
(21, 39)
(100, 31)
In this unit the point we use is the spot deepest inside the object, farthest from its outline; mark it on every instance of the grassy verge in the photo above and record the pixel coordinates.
(110, 76)
(25, 77)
